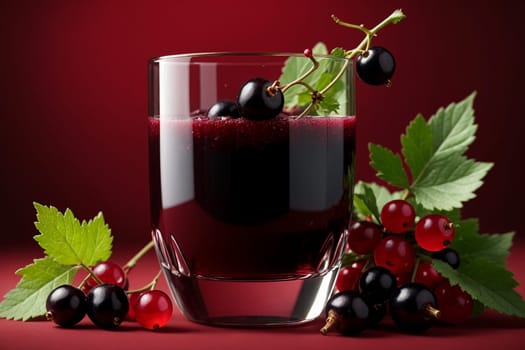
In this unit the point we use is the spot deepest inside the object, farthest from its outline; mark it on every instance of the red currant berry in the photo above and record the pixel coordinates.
(396, 254)
(434, 232)
(363, 237)
(108, 272)
(398, 216)
(307, 53)
(427, 275)
(153, 309)
(456, 306)
(133, 297)
(348, 276)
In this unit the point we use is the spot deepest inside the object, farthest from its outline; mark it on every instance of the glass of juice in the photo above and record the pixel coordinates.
(249, 216)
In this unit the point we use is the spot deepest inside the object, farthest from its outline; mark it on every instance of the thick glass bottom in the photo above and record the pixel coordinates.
(235, 303)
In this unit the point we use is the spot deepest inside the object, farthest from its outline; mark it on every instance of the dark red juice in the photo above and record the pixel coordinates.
(251, 200)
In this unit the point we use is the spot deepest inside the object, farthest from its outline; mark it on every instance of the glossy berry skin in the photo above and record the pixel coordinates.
(396, 254)
(107, 305)
(224, 108)
(376, 67)
(132, 298)
(363, 237)
(350, 312)
(434, 232)
(409, 307)
(108, 272)
(348, 276)
(377, 313)
(377, 284)
(153, 309)
(448, 255)
(398, 216)
(427, 275)
(257, 102)
(456, 306)
(66, 305)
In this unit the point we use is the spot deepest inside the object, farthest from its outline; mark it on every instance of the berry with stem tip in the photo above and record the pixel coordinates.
(107, 305)
(346, 312)
(413, 307)
(153, 309)
(260, 99)
(363, 237)
(397, 216)
(66, 305)
(434, 232)
(376, 66)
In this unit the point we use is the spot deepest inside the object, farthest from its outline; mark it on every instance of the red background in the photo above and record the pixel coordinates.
(73, 107)
(73, 84)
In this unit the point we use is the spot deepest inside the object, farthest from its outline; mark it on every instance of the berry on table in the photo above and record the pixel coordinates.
(260, 99)
(456, 306)
(434, 232)
(153, 309)
(107, 305)
(396, 254)
(66, 305)
(347, 313)
(413, 307)
(397, 216)
(376, 66)
(363, 237)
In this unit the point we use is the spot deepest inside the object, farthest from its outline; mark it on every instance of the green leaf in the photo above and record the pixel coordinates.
(70, 242)
(453, 128)
(28, 299)
(493, 248)
(487, 282)
(369, 201)
(453, 215)
(388, 165)
(446, 183)
(417, 145)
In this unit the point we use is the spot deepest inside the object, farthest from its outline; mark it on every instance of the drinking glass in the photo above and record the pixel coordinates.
(249, 217)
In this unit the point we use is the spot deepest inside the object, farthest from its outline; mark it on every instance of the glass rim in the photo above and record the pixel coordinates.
(176, 57)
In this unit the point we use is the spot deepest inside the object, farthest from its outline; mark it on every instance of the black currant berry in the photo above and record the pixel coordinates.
(376, 66)
(66, 305)
(377, 313)
(346, 312)
(259, 99)
(107, 305)
(224, 108)
(377, 284)
(413, 307)
(448, 255)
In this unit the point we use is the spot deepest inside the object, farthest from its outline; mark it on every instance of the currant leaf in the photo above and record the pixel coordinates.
(381, 194)
(487, 282)
(417, 145)
(70, 242)
(28, 299)
(388, 165)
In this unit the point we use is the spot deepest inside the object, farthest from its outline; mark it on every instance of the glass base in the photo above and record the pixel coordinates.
(235, 303)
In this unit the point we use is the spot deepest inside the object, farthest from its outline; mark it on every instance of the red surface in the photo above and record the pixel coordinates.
(490, 331)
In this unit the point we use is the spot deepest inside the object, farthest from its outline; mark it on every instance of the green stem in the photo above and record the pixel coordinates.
(414, 271)
(91, 274)
(406, 194)
(149, 286)
(133, 261)
(394, 17)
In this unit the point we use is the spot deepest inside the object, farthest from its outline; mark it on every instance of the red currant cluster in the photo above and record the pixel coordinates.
(394, 272)
(104, 296)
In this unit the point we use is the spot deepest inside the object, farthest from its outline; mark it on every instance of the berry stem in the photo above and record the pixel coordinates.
(133, 261)
(394, 18)
(90, 274)
(414, 271)
(149, 286)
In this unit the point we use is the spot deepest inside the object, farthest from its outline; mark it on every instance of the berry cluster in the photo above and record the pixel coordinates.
(105, 298)
(394, 272)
